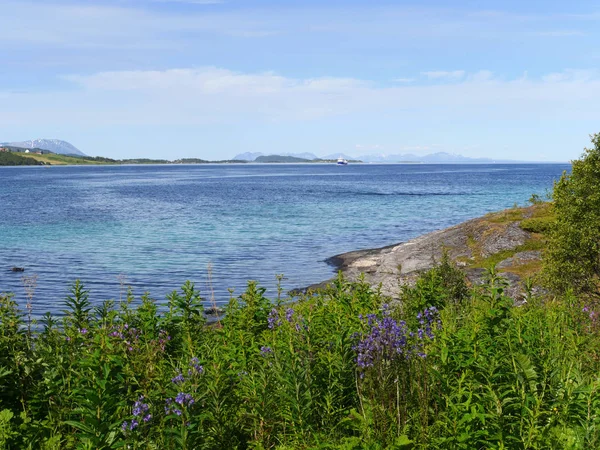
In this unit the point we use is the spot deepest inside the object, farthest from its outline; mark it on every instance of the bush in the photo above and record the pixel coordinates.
(572, 260)
(537, 224)
(339, 369)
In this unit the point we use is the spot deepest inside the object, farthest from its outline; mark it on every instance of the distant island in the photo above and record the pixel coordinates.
(13, 155)
(58, 152)
(407, 158)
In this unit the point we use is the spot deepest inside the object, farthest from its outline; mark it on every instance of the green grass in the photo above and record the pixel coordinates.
(60, 160)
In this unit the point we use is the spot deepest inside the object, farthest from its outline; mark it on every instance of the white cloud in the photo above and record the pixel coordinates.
(216, 95)
(83, 25)
(443, 74)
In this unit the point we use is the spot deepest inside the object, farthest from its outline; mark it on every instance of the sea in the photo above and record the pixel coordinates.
(152, 227)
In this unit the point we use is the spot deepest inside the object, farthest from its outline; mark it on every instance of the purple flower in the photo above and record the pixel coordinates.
(178, 379)
(273, 320)
(83, 331)
(147, 418)
(181, 399)
(139, 407)
(386, 340)
(133, 425)
(195, 367)
(266, 350)
(289, 315)
(184, 399)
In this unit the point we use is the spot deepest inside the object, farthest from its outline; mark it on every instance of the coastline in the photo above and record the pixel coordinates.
(503, 239)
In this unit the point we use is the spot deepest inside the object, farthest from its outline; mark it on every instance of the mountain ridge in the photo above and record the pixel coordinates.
(438, 157)
(53, 145)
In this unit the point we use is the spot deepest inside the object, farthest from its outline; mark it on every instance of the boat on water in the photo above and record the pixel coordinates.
(342, 162)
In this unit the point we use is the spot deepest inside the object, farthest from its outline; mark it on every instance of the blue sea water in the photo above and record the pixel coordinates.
(158, 226)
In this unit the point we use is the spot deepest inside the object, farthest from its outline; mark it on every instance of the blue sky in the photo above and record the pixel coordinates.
(209, 79)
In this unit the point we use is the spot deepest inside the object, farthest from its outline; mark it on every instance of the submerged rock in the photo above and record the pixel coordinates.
(17, 269)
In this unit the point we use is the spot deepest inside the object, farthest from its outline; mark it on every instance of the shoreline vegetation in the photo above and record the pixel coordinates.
(448, 361)
(14, 156)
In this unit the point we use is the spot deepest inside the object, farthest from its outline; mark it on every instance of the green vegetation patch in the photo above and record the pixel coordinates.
(12, 159)
(452, 367)
(506, 216)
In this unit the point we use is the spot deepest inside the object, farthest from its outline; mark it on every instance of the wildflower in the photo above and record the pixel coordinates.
(83, 330)
(273, 320)
(195, 367)
(386, 340)
(139, 407)
(133, 425)
(266, 350)
(178, 379)
(289, 315)
(184, 399)
(147, 418)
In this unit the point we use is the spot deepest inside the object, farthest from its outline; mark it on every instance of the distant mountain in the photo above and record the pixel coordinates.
(339, 155)
(432, 158)
(280, 159)
(53, 145)
(249, 156)
(304, 155)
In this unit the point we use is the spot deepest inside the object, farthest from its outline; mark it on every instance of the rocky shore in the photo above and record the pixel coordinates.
(509, 239)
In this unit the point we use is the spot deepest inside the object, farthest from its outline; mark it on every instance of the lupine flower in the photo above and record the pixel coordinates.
(170, 408)
(195, 367)
(184, 399)
(386, 340)
(139, 407)
(428, 319)
(266, 350)
(273, 320)
(178, 379)
(289, 315)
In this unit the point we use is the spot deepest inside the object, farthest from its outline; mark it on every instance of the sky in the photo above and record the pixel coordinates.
(210, 79)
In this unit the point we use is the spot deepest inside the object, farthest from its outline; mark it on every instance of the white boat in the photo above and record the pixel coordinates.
(342, 162)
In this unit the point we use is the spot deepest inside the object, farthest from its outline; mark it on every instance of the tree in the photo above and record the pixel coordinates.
(572, 259)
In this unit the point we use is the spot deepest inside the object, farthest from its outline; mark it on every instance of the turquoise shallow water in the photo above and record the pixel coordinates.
(158, 226)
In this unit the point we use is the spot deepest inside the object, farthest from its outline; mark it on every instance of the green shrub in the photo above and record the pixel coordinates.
(572, 260)
(537, 224)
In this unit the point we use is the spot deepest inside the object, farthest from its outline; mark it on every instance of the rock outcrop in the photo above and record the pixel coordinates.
(474, 245)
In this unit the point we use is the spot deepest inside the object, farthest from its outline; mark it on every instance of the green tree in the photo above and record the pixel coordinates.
(572, 259)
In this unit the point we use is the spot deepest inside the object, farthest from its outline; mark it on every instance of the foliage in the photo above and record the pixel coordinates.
(340, 369)
(12, 159)
(572, 260)
(538, 224)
